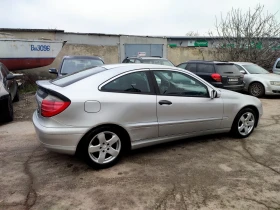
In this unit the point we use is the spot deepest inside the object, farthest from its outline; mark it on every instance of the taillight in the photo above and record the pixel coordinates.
(216, 77)
(52, 106)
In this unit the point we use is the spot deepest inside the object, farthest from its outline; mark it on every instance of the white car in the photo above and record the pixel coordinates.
(258, 81)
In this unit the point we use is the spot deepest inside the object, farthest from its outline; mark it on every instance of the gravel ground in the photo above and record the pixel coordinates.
(212, 172)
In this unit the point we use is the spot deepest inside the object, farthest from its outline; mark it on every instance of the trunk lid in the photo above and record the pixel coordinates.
(229, 73)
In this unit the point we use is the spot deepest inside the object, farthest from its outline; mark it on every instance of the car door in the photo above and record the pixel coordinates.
(184, 105)
(135, 104)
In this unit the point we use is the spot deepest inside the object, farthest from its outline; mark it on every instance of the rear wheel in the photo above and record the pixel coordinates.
(103, 147)
(256, 89)
(7, 110)
(244, 123)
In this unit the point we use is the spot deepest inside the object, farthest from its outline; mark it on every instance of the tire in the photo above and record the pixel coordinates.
(256, 89)
(16, 98)
(244, 123)
(103, 154)
(7, 110)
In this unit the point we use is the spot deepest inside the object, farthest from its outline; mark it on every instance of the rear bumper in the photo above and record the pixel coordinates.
(58, 139)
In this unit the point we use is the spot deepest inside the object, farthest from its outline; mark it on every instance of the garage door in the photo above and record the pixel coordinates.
(147, 49)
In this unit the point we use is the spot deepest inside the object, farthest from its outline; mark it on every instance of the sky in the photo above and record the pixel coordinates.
(133, 17)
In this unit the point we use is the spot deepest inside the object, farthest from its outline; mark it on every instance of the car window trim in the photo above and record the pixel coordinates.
(182, 72)
(147, 71)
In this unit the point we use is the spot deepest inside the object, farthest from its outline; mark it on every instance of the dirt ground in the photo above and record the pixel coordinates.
(212, 172)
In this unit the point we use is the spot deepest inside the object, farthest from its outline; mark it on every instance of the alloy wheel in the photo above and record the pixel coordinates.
(246, 123)
(256, 89)
(104, 147)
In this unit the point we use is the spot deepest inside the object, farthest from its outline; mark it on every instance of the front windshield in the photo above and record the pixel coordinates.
(73, 65)
(158, 61)
(255, 69)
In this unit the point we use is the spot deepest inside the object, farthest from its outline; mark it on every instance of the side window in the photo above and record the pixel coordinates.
(205, 68)
(136, 82)
(137, 61)
(131, 60)
(239, 67)
(182, 66)
(179, 84)
(278, 65)
(191, 67)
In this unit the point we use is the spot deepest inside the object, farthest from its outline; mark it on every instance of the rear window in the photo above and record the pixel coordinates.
(73, 65)
(77, 76)
(227, 69)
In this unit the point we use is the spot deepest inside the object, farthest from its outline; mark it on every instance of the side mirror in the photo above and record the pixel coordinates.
(242, 72)
(53, 71)
(10, 76)
(213, 94)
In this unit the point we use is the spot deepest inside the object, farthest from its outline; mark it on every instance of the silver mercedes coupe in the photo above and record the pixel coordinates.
(105, 111)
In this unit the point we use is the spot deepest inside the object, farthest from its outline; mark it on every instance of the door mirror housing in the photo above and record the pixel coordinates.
(242, 72)
(10, 76)
(214, 94)
(53, 71)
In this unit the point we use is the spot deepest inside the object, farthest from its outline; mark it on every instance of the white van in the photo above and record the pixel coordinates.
(276, 67)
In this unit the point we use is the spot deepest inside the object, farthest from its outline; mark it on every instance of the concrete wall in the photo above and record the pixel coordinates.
(178, 55)
(88, 39)
(141, 40)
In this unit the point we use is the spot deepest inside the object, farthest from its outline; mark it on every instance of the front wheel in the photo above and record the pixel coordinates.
(256, 89)
(244, 123)
(103, 147)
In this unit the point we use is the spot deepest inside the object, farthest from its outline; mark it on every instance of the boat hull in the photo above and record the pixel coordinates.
(28, 54)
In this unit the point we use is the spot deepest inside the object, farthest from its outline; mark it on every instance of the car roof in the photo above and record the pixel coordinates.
(81, 57)
(203, 61)
(148, 57)
(243, 63)
(134, 66)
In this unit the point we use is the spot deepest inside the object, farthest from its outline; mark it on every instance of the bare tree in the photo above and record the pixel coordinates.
(192, 33)
(252, 36)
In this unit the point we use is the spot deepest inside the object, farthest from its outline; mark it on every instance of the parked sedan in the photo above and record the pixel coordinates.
(101, 114)
(71, 64)
(258, 81)
(8, 93)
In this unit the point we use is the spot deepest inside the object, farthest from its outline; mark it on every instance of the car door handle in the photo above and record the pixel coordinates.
(162, 102)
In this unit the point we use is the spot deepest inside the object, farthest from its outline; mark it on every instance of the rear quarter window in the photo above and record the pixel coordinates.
(77, 76)
(205, 68)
